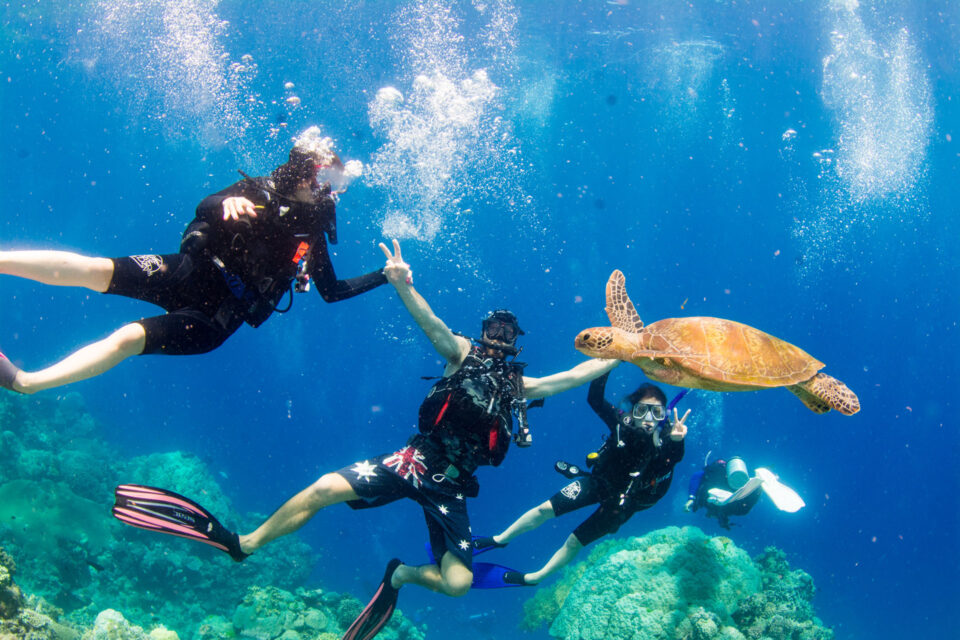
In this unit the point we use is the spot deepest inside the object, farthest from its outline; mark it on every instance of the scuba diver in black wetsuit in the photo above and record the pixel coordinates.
(249, 246)
(724, 488)
(465, 422)
(631, 472)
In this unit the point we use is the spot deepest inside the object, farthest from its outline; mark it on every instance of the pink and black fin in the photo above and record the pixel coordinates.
(164, 511)
(378, 611)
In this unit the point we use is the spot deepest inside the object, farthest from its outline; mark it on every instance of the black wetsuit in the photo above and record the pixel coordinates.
(465, 422)
(627, 450)
(234, 271)
(714, 476)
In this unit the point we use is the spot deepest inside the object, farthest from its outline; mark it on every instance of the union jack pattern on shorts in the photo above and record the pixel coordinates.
(409, 464)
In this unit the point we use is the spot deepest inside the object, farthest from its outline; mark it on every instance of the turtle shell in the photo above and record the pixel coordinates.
(728, 352)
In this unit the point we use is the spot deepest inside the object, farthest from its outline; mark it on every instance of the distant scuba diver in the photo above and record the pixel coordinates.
(725, 488)
(631, 472)
(466, 421)
(249, 246)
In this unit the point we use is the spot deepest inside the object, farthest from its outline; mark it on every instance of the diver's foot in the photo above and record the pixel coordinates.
(234, 549)
(517, 578)
(8, 373)
(378, 611)
(486, 543)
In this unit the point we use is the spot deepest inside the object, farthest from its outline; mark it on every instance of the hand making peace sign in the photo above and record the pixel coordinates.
(396, 270)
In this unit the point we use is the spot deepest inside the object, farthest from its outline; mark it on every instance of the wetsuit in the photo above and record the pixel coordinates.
(626, 451)
(714, 476)
(465, 422)
(235, 271)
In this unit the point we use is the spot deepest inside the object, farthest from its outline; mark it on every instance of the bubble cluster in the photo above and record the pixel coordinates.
(707, 416)
(445, 139)
(874, 170)
(881, 101)
(167, 58)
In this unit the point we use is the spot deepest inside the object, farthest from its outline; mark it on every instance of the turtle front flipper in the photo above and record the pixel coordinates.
(622, 313)
(822, 393)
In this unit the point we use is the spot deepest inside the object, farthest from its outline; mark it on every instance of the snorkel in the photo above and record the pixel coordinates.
(670, 407)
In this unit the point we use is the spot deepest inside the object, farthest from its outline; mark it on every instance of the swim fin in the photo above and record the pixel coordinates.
(378, 611)
(164, 511)
(751, 485)
(493, 576)
(785, 498)
(482, 544)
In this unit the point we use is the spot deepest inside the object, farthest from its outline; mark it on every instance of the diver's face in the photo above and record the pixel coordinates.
(493, 343)
(647, 413)
(498, 334)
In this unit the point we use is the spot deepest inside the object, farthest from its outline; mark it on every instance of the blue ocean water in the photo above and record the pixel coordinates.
(786, 165)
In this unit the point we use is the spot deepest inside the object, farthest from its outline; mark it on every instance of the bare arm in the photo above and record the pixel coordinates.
(580, 374)
(451, 347)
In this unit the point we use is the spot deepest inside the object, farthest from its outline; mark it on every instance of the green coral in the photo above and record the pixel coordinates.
(678, 584)
(25, 618)
(782, 610)
(268, 613)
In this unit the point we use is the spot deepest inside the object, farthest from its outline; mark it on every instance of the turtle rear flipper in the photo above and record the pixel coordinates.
(822, 393)
(620, 310)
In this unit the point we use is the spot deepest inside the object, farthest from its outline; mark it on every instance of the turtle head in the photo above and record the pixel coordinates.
(596, 342)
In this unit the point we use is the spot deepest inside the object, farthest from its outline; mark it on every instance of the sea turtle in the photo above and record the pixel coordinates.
(711, 353)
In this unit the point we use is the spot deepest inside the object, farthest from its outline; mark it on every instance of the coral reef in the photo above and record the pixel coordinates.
(23, 618)
(56, 483)
(269, 613)
(678, 584)
(782, 610)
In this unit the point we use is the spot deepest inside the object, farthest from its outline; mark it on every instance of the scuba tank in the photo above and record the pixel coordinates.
(737, 474)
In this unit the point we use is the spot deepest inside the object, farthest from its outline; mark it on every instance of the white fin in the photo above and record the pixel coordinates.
(718, 497)
(752, 485)
(785, 498)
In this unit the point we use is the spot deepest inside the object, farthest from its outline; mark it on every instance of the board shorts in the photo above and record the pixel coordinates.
(588, 490)
(193, 293)
(414, 473)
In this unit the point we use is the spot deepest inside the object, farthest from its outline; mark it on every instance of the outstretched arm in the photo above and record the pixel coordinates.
(580, 374)
(451, 347)
(330, 288)
(606, 411)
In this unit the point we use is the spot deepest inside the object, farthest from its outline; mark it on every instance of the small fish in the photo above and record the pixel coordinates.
(683, 304)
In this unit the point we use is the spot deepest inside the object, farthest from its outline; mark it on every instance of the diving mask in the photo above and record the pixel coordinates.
(656, 411)
(500, 330)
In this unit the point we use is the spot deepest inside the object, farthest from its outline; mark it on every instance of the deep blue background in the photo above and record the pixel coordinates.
(650, 141)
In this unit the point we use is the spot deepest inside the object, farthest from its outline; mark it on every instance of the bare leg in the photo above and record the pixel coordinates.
(89, 361)
(452, 578)
(560, 559)
(58, 268)
(527, 522)
(331, 488)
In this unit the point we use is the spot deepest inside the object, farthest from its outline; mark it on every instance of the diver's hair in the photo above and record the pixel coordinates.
(288, 176)
(647, 390)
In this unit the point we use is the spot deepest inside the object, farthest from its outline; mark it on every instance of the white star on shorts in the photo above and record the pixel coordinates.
(443, 509)
(459, 496)
(464, 545)
(364, 470)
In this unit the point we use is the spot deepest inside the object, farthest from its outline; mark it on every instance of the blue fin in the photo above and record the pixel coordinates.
(487, 575)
